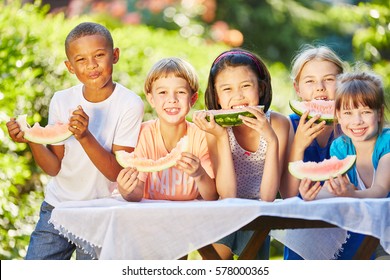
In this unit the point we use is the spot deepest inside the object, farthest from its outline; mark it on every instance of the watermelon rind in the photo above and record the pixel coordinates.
(229, 117)
(33, 134)
(126, 159)
(321, 171)
(300, 107)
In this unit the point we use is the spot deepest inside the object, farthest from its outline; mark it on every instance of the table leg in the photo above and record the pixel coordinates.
(367, 248)
(254, 244)
(209, 253)
(185, 257)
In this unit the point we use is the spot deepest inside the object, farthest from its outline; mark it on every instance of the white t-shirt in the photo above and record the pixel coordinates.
(116, 120)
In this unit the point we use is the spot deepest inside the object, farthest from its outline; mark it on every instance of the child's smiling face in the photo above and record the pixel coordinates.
(237, 87)
(317, 80)
(172, 99)
(360, 124)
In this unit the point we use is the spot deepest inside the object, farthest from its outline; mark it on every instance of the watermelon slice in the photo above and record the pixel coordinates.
(321, 171)
(229, 117)
(126, 159)
(49, 134)
(323, 107)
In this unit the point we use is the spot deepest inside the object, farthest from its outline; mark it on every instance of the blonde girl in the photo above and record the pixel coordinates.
(314, 73)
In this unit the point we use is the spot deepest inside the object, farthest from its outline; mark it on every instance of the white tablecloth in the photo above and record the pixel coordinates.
(112, 228)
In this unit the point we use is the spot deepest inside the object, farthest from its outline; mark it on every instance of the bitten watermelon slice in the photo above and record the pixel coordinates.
(229, 117)
(321, 171)
(49, 134)
(126, 159)
(323, 107)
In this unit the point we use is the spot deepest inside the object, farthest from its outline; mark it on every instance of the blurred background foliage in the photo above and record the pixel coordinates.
(32, 35)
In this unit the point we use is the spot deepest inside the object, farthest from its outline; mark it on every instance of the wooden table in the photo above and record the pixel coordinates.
(264, 224)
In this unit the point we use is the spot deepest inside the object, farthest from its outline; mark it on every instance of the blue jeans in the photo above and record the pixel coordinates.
(46, 243)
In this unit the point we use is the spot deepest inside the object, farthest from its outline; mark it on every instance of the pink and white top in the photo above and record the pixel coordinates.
(249, 167)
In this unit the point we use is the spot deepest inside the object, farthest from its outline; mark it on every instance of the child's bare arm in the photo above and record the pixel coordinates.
(278, 130)
(379, 189)
(191, 165)
(306, 132)
(48, 158)
(281, 125)
(14, 131)
(223, 166)
(220, 155)
(381, 186)
(271, 176)
(308, 189)
(103, 160)
(129, 186)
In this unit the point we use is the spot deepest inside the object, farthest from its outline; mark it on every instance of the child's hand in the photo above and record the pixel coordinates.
(127, 181)
(341, 186)
(190, 164)
(260, 124)
(307, 131)
(78, 123)
(308, 190)
(15, 132)
(199, 118)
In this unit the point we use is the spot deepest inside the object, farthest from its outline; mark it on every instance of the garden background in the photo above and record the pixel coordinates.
(32, 38)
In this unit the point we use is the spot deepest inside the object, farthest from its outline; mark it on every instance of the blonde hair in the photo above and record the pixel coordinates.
(360, 88)
(308, 53)
(172, 66)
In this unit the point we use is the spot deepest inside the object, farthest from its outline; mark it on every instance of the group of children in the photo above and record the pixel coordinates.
(246, 161)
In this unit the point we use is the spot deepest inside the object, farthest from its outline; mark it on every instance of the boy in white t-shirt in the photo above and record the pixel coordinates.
(103, 116)
(171, 88)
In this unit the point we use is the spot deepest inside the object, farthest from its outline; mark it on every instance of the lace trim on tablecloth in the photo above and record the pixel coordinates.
(87, 247)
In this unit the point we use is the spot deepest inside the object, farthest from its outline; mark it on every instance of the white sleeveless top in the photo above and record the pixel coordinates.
(249, 167)
(361, 185)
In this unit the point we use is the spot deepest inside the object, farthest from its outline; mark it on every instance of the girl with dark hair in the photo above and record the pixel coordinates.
(250, 156)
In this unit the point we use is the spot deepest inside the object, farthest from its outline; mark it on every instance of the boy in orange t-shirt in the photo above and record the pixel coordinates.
(171, 89)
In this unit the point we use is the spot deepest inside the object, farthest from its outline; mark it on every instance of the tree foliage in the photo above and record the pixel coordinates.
(274, 29)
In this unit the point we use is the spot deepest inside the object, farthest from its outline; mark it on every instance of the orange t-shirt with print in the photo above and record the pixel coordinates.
(171, 183)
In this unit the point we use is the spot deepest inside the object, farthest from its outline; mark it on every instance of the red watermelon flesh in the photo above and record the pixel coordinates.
(325, 108)
(126, 159)
(321, 171)
(50, 134)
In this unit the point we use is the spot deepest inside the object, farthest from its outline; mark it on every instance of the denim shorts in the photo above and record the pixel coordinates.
(46, 243)
(237, 241)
